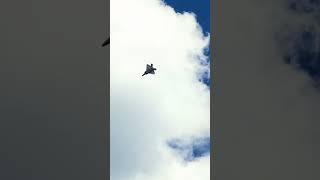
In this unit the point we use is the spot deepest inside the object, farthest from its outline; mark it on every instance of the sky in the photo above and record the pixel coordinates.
(201, 9)
(54, 91)
(160, 124)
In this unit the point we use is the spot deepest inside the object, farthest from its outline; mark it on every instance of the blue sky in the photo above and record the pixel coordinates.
(192, 149)
(202, 10)
(200, 7)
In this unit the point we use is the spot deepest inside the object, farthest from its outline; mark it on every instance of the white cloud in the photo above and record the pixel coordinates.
(147, 111)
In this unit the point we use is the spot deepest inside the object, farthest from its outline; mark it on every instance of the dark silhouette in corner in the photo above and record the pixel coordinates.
(106, 42)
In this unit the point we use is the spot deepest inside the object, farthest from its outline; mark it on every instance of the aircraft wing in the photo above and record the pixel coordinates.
(148, 66)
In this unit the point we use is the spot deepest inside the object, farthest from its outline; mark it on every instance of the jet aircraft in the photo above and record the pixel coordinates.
(149, 69)
(106, 42)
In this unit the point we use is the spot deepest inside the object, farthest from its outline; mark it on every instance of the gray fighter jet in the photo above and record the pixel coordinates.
(150, 69)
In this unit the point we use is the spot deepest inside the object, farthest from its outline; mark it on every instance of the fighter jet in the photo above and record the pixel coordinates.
(149, 70)
(106, 42)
